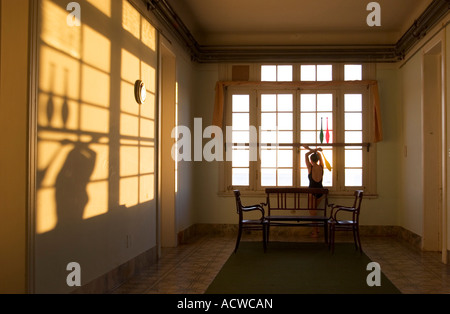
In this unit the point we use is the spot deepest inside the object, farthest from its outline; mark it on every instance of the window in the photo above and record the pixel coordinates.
(276, 116)
(241, 135)
(353, 72)
(320, 72)
(281, 118)
(353, 129)
(316, 113)
(276, 73)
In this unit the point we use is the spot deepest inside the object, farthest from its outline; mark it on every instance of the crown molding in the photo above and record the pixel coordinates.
(434, 13)
(298, 53)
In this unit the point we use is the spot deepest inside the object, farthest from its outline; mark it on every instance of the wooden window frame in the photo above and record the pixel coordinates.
(338, 188)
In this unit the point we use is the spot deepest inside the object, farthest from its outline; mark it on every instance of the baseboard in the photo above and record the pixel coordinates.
(116, 277)
(410, 237)
(286, 232)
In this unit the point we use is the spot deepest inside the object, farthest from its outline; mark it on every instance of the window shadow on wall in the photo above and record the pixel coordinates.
(95, 181)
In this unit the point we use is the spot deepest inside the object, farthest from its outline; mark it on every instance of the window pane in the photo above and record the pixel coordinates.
(353, 177)
(327, 178)
(308, 72)
(285, 102)
(325, 102)
(268, 102)
(353, 121)
(324, 72)
(308, 121)
(268, 121)
(285, 137)
(241, 121)
(308, 102)
(241, 137)
(240, 176)
(285, 177)
(353, 158)
(353, 102)
(353, 72)
(285, 73)
(241, 103)
(241, 158)
(353, 137)
(308, 137)
(269, 73)
(268, 177)
(285, 158)
(268, 158)
(285, 121)
(268, 136)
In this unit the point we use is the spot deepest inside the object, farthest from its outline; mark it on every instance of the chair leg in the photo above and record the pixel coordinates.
(359, 239)
(325, 231)
(238, 239)
(332, 234)
(354, 237)
(265, 237)
(329, 234)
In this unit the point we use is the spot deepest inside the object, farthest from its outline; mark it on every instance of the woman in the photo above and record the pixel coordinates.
(315, 164)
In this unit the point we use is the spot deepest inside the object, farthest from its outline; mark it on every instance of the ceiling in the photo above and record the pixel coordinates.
(295, 22)
(297, 30)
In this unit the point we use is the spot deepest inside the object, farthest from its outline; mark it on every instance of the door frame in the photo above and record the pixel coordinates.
(433, 62)
(167, 218)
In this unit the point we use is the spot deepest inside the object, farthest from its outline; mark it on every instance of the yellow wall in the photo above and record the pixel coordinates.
(13, 139)
(96, 146)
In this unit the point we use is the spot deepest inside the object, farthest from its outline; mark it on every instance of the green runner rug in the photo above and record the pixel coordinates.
(298, 268)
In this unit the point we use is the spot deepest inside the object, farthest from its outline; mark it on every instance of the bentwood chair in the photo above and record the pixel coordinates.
(249, 224)
(336, 223)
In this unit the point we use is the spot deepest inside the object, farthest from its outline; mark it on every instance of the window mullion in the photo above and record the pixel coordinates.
(296, 137)
(254, 122)
(340, 138)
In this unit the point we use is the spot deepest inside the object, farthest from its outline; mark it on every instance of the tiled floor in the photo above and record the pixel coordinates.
(190, 268)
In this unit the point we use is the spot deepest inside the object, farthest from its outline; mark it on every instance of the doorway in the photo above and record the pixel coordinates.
(434, 143)
(167, 186)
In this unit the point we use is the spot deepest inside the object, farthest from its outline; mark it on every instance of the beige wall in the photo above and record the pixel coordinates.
(13, 138)
(383, 210)
(411, 165)
(186, 212)
(412, 161)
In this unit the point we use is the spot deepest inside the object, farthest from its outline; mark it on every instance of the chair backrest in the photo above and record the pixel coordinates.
(294, 199)
(357, 203)
(237, 195)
